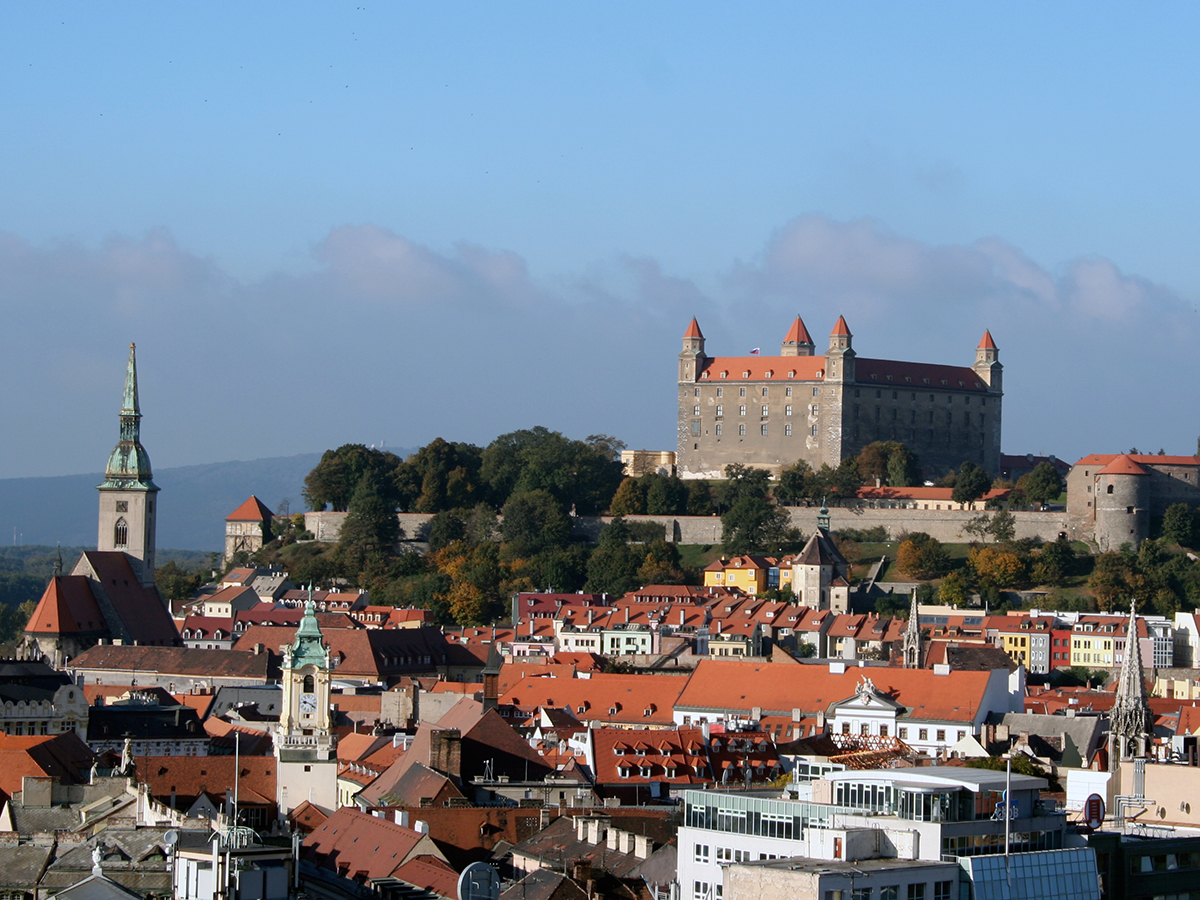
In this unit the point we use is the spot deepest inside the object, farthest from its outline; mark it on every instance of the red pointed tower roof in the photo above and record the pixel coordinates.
(841, 327)
(252, 510)
(693, 330)
(798, 334)
(986, 342)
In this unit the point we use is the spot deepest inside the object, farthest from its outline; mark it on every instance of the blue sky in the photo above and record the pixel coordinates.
(386, 222)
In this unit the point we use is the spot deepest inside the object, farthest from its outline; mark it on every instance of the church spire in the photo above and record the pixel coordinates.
(1129, 719)
(129, 463)
(911, 646)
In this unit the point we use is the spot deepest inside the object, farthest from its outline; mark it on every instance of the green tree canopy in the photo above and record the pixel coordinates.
(575, 472)
(337, 476)
(440, 476)
(970, 483)
(613, 566)
(1179, 525)
(630, 498)
(666, 495)
(753, 525)
(1041, 486)
(533, 521)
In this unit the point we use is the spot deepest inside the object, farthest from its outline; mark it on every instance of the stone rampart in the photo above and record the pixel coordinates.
(944, 524)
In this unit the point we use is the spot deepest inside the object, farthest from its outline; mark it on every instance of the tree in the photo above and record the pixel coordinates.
(970, 483)
(1179, 525)
(666, 495)
(742, 482)
(794, 483)
(1003, 526)
(371, 527)
(1043, 485)
(978, 527)
(575, 472)
(921, 556)
(753, 525)
(953, 589)
(699, 498)
(176, 584)
(440, 476)
(613, 566)
(1002, 567)
(534, 521)
(1053, 562)
(630, 498)
(1109, 581)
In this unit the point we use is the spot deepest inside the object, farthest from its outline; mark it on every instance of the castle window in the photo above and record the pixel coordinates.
(878, 394)
(766, 389)
(718, 429)
(720, 410)
(764, 412)
(741, 429)
(741, 392)
(1110, 489)
(723, 374)
(746, 374)
(787, 430)
(787, 410)
(696, 427)
(791, 374)
(814, 431)
(695, 410)
(764, 430)
(856, 392)
(697, 392)
(787, 392)
(720, 392)
(121, 533)
(741, 410)
(966, 401)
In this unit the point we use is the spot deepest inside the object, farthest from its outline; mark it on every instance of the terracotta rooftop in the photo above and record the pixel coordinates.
(840, 327)
(1145, 459)
(693, 330)
(67, 607)
(797, 334)
(1122, 465)
(252, 510)
(174, 661)
(986, 342)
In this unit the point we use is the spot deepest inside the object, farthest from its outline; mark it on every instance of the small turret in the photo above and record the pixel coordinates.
(911, 646)
(691, 359)
(987, 363)
(1130, 721)
(840, 358)
(797, 341)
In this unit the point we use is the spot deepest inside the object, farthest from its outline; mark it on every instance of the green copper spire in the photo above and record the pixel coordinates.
(129, 464)
(309, 646)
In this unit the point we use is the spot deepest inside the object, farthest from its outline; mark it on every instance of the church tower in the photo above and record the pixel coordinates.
(912, 637)
(128, 494)
(797, 341)
(1129, 718)
(304, 742)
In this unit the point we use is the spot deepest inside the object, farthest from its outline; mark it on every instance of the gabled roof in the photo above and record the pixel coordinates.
(187, 777)
(64, 756)
(174, 661)
(742, 686)
(143, 614)
(914, 375)
(610, 698)
(67, 607)
(251, 510)
(353, 843)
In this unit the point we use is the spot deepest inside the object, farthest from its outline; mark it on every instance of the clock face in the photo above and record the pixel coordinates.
(308, 702)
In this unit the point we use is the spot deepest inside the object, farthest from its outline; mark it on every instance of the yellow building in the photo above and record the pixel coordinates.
(745, 573)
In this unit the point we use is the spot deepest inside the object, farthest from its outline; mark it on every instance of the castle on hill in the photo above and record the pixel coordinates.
(770, 411)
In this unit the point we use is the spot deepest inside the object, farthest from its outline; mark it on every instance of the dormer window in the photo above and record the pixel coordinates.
(723, 374)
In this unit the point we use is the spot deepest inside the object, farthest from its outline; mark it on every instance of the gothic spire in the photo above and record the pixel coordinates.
(1129, 719)
(911, 646)
(129, 464)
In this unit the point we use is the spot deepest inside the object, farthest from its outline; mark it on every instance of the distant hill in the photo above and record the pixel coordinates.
(192, 506)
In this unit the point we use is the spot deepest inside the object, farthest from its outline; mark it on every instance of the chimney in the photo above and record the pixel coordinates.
(595, 833)
(682, 616)
(581, 829)
(445, 751)
(626, 613)
(613, 839)
(582, 872)
(641, 846)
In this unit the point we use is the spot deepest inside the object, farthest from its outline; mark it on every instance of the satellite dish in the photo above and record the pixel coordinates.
(478, 881)
(171, 838)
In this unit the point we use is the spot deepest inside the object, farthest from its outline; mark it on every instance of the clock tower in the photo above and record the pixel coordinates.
(304, 742)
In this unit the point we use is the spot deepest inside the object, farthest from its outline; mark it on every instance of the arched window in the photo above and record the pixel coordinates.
(1110, 487)
(121, 533)
(309, 684)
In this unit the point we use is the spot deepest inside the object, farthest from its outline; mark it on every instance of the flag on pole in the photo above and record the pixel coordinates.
(754, 352)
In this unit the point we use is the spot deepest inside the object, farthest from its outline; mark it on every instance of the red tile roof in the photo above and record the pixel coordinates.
(354, 843)
(67, 607)
(944, 495)
(141, 610)
(624, 699)
(986, 342)
(1145, 459)
(840, 327)
(252, 510)
(191, 776)
(909, 375)
(755, 368)
(64, 756)
(693, 330)
(1122, 465)
(741, 686)
(431, 874)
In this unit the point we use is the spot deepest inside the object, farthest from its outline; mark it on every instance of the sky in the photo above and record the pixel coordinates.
(326, 223)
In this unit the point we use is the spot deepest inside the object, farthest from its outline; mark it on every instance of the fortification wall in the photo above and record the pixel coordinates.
(944, 524)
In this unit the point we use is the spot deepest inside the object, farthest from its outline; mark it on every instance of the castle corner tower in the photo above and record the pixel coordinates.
(797, 341)
(127, 521)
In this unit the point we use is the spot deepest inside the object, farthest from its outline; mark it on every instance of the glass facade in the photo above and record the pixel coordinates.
(1062, 874)
(741, 814)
